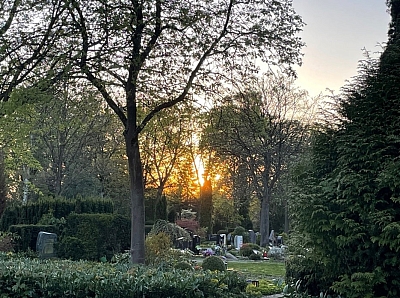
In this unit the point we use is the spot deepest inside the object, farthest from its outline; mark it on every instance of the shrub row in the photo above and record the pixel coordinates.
(32, 212)
(93, 236)
(43, 278)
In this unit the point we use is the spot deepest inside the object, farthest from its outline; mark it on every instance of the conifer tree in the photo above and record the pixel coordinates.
(351, 206)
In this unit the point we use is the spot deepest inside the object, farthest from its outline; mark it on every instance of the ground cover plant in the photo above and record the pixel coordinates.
(25, 277)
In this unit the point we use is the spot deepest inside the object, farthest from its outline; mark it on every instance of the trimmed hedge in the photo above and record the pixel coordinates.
(28, 235)
(93, 236)
(32, 212)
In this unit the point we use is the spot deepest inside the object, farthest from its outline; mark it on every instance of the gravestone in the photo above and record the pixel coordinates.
(222, 240)
(238, 241)
(195, 244)
(252, 236)
(279, 240)
(45, 245)
(213, 238)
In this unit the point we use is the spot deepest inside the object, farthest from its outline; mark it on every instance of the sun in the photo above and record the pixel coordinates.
(199, 168)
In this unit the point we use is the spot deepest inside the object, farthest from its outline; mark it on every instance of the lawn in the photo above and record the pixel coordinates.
(259, 269)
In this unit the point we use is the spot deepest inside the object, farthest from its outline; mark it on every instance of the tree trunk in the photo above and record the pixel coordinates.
(137, 199)
(264, 221)
(286, 216)
(3, 191)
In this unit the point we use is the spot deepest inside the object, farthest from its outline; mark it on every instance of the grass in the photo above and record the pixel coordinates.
(259, 269)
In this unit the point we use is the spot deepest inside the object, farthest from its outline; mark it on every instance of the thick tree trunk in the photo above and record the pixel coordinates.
(264, 221)
(137, 200)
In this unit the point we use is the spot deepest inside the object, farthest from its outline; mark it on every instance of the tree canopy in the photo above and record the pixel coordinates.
(148, 54)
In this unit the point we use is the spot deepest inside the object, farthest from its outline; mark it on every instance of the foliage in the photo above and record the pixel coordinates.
(349, 209)
(158, 247)
(7, 241)
(213, 263)
(224, 214)
(27, 235)
(311, 273)
(49, 219)
(247, 249)
(171, 229)
(183, 265)
(33, 212)
(3, 189)
(241, 231)
(260, 131)
(266, 287)
(44, 278)
(166, 145)
(255, 257)
(94, 236)
(140, 41)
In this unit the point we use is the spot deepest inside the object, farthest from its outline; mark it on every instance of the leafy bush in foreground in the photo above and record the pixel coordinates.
(23, 277)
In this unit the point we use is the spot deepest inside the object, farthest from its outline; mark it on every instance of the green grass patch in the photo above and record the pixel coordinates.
(259, 269)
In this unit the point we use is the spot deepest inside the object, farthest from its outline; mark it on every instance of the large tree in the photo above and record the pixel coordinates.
(262, 128)
(29, 31)
(165, 147)
(156, 54)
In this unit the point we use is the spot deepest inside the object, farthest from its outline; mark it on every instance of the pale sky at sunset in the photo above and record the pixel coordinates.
(335, 34)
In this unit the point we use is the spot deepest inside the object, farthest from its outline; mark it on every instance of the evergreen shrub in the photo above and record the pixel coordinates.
(255, 257)
(309, 273)
(213, 263)
(32, 212)
(157, 248)
(247, 249)
(94, 236)
(183, 265)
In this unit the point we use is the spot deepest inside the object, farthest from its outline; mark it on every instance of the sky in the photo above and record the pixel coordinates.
(335, 34)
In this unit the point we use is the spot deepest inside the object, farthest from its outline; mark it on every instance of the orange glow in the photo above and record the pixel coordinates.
(199, 168)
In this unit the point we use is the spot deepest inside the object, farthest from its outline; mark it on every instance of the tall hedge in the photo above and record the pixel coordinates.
(93, 236)
(28, 235)
(32, 212)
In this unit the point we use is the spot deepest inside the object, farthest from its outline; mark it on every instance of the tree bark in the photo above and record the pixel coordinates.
(264, 221)
(136, 198)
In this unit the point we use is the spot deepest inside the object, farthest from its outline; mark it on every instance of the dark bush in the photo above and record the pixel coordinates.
(213, 263)
(310, 272)
(71, 248)
(31, 213)
(28, 235)
(222, 232)
(98, 235)
(247, 249)
(183, 266)
(7, 242)
(255, 257)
